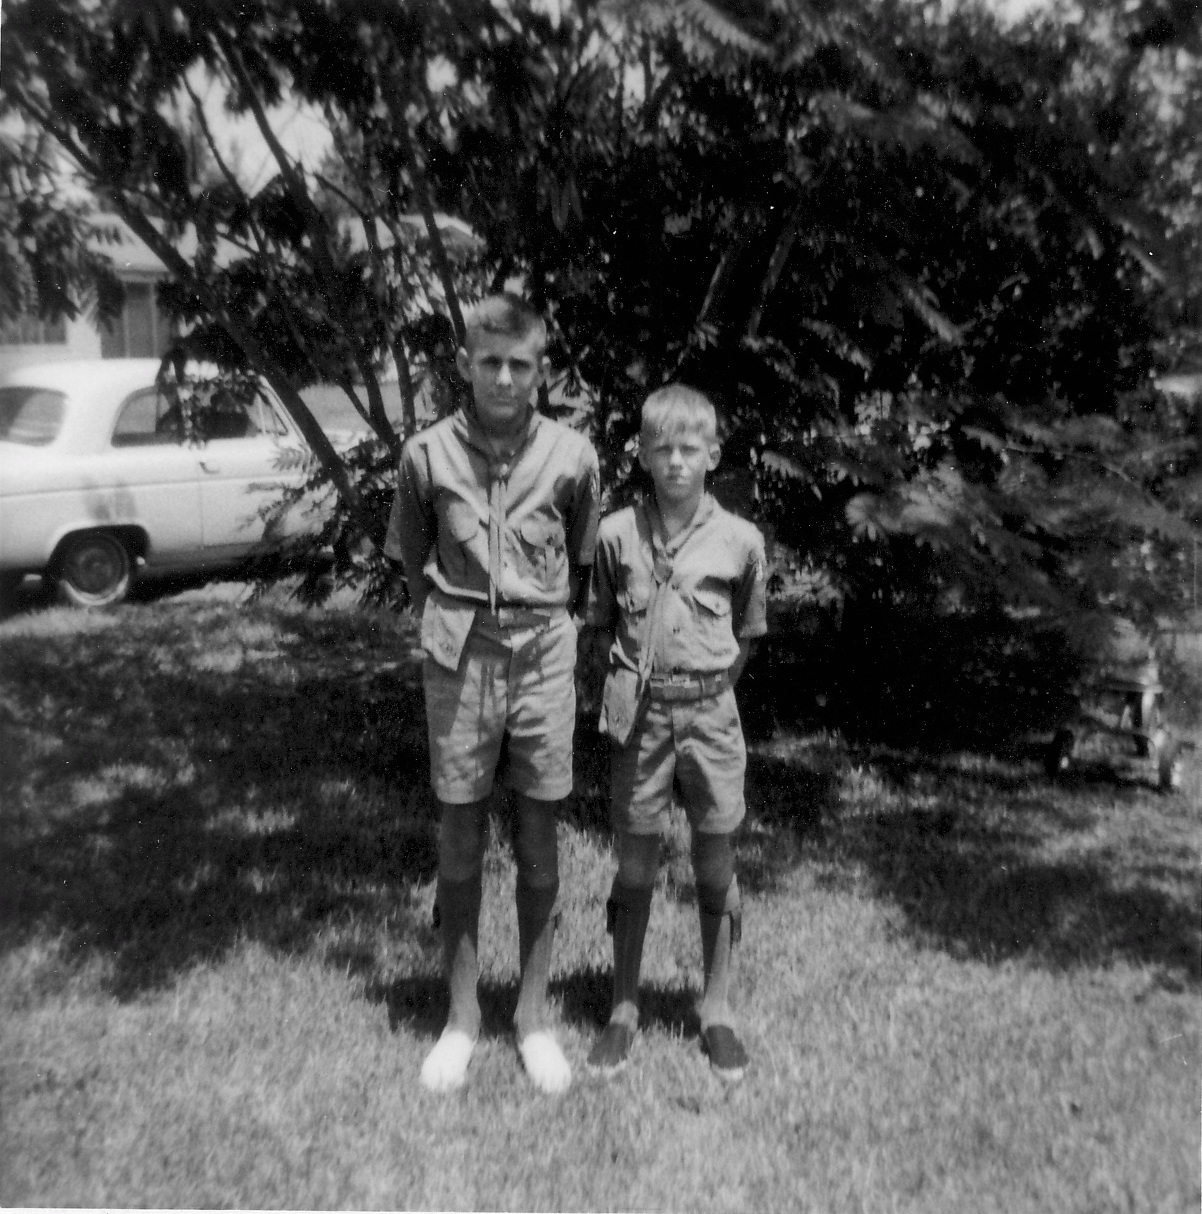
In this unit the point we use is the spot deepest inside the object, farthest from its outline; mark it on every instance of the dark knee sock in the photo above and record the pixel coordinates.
(458, 906)
(628, 911)
(721, 922)
(536, 935)
(719, 910)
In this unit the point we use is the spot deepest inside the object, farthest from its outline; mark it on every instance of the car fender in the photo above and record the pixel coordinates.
(47, 520)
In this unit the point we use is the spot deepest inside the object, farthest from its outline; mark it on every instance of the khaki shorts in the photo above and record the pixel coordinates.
(698, 747)
(511, 682)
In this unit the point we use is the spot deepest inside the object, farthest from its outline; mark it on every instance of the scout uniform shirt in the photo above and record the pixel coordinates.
(713, 588)
(475, 530)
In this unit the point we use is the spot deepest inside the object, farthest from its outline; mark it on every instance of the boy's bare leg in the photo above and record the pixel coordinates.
(536, 849)
(719, 912)
(461, 838)
(627, 912)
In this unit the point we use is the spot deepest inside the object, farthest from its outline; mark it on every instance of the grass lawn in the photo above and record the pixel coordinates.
(964, 988)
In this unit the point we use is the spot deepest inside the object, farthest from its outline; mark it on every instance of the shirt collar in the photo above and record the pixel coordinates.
(670, 547)
(467, 427)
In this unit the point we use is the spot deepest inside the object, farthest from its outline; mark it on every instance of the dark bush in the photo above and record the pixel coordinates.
(913, 679)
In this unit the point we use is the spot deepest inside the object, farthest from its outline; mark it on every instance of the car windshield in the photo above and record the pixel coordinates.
(32, 416)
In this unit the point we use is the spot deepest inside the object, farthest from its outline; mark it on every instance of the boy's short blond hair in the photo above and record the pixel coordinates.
(675, 408)
(508, 314)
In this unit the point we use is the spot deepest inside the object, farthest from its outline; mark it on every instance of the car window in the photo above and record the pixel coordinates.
(32, 416)
(228, 417)
(148, 419)
(270, 421)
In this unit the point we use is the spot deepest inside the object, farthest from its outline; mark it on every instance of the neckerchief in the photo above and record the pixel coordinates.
(663, 552)
(500, 464)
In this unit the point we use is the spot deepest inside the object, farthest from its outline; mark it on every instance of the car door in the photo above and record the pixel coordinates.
(248, 460)
(150, 477)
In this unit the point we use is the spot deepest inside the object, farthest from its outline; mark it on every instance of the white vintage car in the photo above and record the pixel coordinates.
(99, 484)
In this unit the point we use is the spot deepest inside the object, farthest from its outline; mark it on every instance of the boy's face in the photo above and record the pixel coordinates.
(504, 372)
(678, 462)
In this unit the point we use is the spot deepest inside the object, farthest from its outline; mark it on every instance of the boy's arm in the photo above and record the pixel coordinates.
(411, 528)
(600, 605)
(597, 633)
(578, 580)
(746, 649)
(585, 515)
(749, 606)
(594, 647)
(582, 517)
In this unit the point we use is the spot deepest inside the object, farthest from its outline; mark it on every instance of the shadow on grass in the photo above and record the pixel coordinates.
(789, 804)
(37, 594)
(586, 994)
(418, 1003)
(180, 779)
(187, 808)
(987, 868)
(985, 897)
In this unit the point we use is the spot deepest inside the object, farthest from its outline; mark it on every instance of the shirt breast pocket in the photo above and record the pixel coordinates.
(635, 599)
(543, 547)
(458, 527)
(712, 617)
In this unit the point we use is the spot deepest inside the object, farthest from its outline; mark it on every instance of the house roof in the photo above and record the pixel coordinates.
(132, 257)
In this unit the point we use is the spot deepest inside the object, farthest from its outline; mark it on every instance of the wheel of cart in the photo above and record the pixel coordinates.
(1166, 753)
(1058, 756)
(1122, 697)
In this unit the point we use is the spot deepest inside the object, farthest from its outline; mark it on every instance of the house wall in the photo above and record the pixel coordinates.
(141, 331)
(82, 340)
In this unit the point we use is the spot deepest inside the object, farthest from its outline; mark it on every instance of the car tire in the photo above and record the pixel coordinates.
(1145, 740)
(93, 570)
(1168, 763)
(1169, 774)
(10, 583)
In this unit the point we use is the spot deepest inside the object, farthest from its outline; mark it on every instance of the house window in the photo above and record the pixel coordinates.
(140, 331)
(30, 331)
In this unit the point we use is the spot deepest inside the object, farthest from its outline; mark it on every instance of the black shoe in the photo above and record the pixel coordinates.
(727, 1056)
(611, 1051)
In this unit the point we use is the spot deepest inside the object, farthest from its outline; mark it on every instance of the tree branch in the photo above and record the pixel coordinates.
(315, 222)
(255, 357)
(425, 203)
(776, 265)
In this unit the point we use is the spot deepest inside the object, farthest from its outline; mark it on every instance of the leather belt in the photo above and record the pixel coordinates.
(519, 617)
(684, 686)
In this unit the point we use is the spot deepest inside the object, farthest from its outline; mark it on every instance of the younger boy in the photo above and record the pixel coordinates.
(680, 583)
(494, 520)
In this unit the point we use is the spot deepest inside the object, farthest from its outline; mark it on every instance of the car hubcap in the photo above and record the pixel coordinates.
(95, 569)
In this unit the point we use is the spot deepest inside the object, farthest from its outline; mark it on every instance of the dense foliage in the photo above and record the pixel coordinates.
(51, 267)
(926, 265)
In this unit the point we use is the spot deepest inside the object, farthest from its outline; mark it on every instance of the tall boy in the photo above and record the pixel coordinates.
(495, 520)
(680, 583)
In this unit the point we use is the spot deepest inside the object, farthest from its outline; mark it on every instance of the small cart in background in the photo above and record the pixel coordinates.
(1122, 698)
